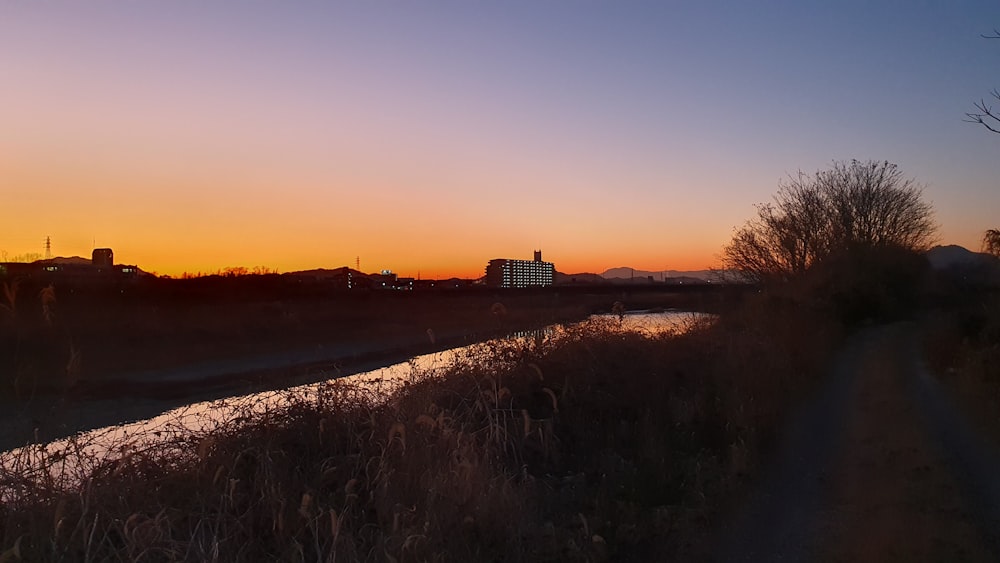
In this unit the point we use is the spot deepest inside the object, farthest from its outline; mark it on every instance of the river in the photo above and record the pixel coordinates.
(71, 458)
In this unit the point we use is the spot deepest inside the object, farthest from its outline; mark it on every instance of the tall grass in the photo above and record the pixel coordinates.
(963, 347)
(595, 443)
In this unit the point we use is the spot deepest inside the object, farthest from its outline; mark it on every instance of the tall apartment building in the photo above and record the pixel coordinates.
(507, 272)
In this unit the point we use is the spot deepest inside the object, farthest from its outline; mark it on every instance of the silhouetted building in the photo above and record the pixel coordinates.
(385, 279)
(103, 257)
(99, 269)
(506, 272)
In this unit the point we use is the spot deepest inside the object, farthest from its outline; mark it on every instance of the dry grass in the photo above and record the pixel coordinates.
(594, 444)
(963, 348)
(116, 332)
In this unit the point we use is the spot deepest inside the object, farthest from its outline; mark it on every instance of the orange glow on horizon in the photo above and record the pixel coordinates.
(194, 223)
(177, 263)
(192, 138)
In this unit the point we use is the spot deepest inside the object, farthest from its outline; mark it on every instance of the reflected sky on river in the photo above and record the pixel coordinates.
(89, 450)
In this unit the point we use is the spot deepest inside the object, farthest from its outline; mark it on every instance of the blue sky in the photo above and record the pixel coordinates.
(434, 136)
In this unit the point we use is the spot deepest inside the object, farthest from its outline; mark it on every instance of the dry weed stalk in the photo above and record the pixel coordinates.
(466, 463)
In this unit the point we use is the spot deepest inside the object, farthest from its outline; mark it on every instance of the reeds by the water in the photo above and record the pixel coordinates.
(594, 444)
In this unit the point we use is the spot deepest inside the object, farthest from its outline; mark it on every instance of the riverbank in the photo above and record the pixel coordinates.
(90, 335)
(106, 358)
(601, 444)
(140, 395)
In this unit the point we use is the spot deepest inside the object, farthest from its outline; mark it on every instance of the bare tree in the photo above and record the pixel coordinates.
(985, 115)
(786, 237)
(991, 242)
(874, 205)
(853, 206)
(28, 257)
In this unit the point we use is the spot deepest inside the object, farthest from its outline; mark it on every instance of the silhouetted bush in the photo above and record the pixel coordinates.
(869, 284)
(831, 215)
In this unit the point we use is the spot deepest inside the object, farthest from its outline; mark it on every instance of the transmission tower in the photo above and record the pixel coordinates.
(48, 247)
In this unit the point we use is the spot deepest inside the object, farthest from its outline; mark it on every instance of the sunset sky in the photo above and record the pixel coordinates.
(431, 137)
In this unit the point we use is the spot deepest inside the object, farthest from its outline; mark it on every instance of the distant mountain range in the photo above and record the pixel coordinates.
(954, 256)
(940, 257)
(584, 278)
(626, 273)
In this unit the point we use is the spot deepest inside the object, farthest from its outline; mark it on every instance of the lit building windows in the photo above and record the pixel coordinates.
(505, 272)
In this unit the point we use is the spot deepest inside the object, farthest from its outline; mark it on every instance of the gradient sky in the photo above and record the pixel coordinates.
(432, 136)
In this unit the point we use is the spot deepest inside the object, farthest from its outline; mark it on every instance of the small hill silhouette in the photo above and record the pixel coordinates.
(954, 256)
(66, 260)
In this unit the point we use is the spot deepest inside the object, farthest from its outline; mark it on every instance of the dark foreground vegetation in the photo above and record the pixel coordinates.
(590, 445)
(963, 344)
(58, 337)
(593, 444)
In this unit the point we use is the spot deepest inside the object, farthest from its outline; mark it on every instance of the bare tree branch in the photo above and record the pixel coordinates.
(986, 116)
(854, 206)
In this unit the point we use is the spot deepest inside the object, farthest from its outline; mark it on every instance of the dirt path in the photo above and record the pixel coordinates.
(877, 467)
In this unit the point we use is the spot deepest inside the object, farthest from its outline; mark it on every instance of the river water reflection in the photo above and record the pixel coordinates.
(78, 456)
